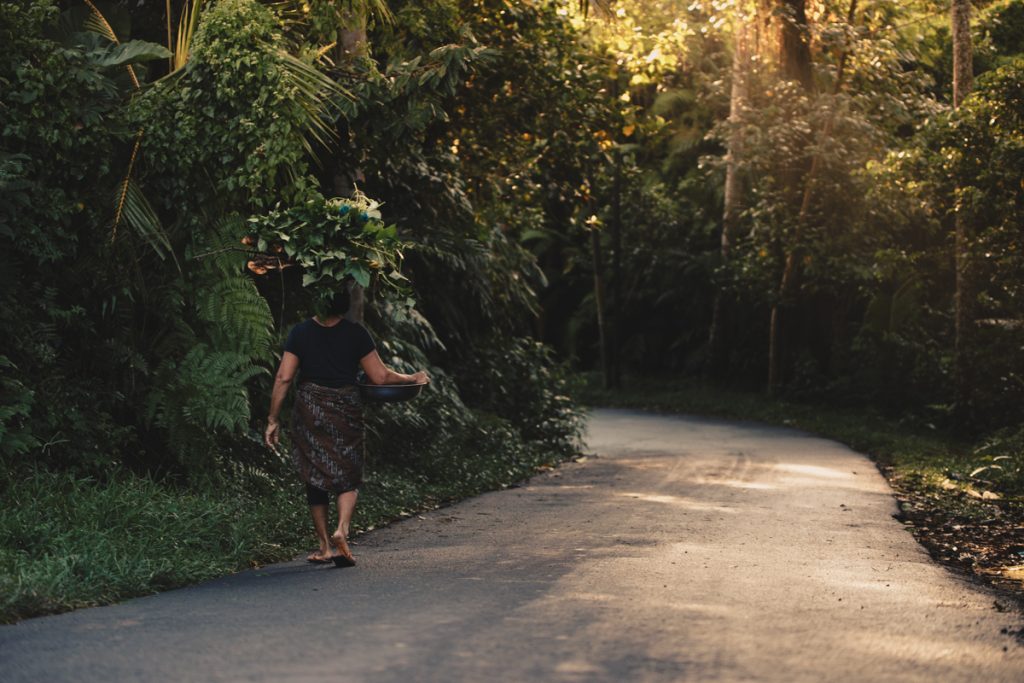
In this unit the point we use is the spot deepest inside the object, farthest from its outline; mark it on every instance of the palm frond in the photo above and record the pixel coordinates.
(97, 23)
(186, 32)
(138, 213)
(317, 94)
(378, 9)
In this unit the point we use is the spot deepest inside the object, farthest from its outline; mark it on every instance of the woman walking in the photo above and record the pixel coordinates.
(327, 418)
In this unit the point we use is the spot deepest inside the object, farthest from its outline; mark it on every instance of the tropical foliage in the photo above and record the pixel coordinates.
(780, 194)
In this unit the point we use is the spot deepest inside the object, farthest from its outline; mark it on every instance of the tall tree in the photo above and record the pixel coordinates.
(732, 204)
(795, 65)
(794, 46)
(963, 50)
(965, 292)
(353, 44)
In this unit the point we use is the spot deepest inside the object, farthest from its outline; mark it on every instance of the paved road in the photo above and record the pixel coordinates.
(689, 550)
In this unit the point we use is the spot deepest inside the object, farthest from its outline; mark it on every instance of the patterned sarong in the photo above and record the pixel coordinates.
(327, 437)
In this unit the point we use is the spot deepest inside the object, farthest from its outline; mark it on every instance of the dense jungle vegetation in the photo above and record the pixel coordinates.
(820, 199)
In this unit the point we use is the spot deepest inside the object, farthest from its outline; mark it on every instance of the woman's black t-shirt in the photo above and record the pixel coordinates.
(329, 356)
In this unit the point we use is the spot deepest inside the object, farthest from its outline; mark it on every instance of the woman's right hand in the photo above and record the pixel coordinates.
(270, 436)
(421, 377)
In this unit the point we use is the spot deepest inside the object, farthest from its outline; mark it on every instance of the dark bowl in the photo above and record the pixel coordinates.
(390, 393)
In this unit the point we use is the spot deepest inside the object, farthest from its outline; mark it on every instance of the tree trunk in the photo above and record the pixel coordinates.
(353, 43)
(965, 296)
(794, 46)
(794, 64)
(614, 366)
(963, 67)
(791, 270)
(718, 341)
(602, 336)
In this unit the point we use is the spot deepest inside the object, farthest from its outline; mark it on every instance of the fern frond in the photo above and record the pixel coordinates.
(205, 390)
(238, 313)
(218, 245)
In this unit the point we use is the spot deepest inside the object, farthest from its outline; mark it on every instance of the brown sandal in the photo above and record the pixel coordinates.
(341, 561)
(344, 557)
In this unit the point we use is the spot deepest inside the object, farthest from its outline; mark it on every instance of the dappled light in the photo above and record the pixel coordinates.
(812, 472)
(675, 501)
(735, 483)
(292, 287)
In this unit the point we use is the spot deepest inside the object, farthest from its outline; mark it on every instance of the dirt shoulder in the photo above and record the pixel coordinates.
(978, 537)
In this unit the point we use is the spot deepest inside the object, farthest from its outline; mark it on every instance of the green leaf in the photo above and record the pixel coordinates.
(360, 274)
(131, 52)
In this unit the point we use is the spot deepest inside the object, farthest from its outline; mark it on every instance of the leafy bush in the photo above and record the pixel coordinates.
(518, 379)
(915, 193)
(239, 111)
(999, 462)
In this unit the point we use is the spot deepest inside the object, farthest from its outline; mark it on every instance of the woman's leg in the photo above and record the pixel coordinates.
(319, 514)
(318, 500)
(346, 506)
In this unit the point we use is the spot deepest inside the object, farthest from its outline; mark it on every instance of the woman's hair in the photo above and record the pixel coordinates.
(338, 304)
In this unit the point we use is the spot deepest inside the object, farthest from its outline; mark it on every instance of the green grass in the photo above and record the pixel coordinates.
(68, 542)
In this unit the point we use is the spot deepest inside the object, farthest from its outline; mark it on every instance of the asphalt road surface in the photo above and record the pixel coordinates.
(687, 550)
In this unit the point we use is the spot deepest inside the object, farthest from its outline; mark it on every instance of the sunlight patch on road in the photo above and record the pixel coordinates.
(738, 484)
(706, 609)
(687, 503)
(812, 471)
(591, 597)
(577, 666)
(921, 649)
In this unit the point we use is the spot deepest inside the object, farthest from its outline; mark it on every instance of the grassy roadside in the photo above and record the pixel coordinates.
(69, 542)
(965, 520)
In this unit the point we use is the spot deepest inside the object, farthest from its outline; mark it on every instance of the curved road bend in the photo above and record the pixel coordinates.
(689, 550)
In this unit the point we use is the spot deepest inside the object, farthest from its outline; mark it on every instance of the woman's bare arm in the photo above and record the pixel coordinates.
(285, 374)
(378, 373)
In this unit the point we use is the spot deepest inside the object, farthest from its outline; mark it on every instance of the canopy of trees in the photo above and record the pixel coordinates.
(818, 198)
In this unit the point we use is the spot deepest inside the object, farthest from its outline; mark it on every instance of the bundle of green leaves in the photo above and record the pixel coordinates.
(333, 240)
